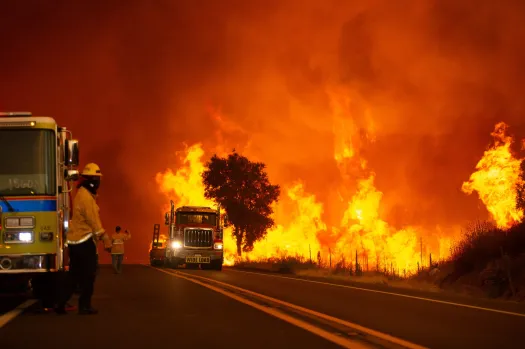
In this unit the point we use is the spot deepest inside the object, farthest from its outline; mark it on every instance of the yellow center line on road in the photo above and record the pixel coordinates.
(9, 316)
(385, 292)
(343, 342)
(296, 322)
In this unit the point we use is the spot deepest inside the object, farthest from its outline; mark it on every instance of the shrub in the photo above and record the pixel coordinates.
(484, 242)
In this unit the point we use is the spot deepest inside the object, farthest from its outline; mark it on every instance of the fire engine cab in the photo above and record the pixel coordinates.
(195, 236)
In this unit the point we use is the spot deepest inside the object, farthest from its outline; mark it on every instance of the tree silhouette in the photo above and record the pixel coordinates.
(243, 189)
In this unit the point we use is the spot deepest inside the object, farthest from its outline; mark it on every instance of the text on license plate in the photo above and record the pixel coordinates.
(198, 259)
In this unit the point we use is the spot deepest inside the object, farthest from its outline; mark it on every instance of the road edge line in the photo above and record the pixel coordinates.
(12, 314)
(343, 342)
(385, 292)
(357, 327)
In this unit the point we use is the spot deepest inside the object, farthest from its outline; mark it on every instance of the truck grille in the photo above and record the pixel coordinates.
(198, 238)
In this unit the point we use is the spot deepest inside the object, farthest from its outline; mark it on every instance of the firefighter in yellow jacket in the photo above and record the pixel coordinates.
(117, 250)
(84, 232)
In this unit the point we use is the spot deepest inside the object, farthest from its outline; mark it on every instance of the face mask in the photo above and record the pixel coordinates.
(92, 184)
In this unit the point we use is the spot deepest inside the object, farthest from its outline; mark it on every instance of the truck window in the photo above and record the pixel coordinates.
(196, 218)
(28, 162)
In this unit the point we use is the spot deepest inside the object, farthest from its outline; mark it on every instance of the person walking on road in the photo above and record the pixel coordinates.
(84, 232)
(117, 249)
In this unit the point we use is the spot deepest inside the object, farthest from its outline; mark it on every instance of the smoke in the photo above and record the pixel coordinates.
(134, 80)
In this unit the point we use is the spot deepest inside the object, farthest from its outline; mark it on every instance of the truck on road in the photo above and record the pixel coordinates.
(39, 162)
(195, 237)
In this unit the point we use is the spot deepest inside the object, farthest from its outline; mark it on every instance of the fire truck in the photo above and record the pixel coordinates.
(195, 236)
(39, 162)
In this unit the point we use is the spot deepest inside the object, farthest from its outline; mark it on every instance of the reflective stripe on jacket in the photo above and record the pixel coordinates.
(118, 242)
(85, 223)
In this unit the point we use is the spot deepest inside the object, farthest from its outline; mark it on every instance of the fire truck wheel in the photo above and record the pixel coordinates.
(156, 263)
(170, 264)
(14, 284)
(44, 287)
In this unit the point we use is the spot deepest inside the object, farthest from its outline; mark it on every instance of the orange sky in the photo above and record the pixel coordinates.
(429, 79)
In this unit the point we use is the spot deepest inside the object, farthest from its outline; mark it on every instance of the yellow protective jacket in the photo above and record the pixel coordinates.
(117, 240)
(85, 223)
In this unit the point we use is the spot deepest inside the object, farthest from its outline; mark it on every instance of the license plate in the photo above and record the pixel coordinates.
(197, 259)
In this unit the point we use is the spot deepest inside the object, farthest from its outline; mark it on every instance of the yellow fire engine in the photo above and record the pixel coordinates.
(39, 162)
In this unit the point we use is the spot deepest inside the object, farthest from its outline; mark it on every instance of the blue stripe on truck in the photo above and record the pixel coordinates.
(29, 205)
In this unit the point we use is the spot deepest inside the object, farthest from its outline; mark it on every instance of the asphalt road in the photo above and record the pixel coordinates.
(427, 323)
(144, 308)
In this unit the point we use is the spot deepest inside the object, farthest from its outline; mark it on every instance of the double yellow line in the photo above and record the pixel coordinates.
(342, 341)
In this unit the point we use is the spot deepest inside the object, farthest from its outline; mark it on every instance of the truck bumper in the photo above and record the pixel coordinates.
(34, 263)
(178, 257)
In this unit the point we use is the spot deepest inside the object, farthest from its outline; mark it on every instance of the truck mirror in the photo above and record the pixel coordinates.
(167, 218)
(71, 175)
(225, 220)
(71, 152)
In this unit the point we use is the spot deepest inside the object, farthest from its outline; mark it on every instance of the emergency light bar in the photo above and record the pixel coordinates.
(16, 113)
(17, 124)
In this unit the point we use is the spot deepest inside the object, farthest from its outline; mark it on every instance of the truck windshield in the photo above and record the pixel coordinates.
(196, 218)
(27, 162)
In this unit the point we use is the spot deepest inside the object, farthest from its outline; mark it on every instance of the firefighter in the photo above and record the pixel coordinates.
(117, 249)
(85, 230)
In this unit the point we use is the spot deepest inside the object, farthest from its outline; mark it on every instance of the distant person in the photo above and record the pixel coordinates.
(117, 251)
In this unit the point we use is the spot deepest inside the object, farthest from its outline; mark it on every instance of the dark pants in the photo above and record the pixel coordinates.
(82, 272)
(117, 262)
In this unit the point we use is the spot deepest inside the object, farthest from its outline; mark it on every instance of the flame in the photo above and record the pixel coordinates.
(298, 238)
(370, 241)
(185, 185)
(162, 239)
(497, 179)
(362, 236)
(300, 228)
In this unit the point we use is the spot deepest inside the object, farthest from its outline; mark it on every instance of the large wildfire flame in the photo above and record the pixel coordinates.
(362, 234)
(497, 179)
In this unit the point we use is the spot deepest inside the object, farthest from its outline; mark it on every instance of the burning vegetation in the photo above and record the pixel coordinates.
(498, 179)
(363, 238)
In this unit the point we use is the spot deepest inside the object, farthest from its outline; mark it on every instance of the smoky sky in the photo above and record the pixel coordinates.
(134, 80)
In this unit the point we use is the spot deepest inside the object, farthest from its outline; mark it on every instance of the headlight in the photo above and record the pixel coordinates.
(25, 237)
(176, 244)
(217, 245)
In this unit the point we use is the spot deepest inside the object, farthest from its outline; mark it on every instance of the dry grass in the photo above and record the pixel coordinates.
(301, 267)
(481, 249)
(369, 278)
